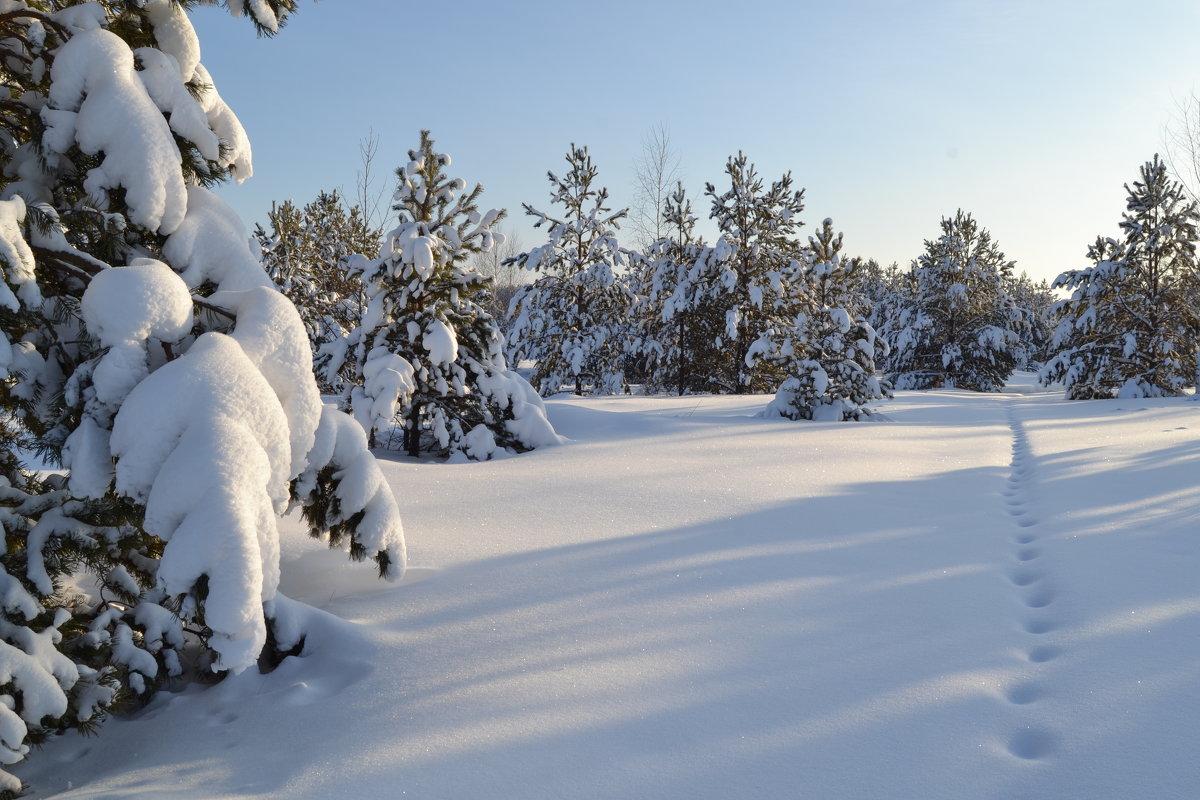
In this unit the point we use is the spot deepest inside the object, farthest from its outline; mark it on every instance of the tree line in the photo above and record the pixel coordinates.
(765, 309)
(762, 309)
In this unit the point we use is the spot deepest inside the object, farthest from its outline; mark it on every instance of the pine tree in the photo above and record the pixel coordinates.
(886, 291)
(674, 334)
(827, 355)
(747, 276)
(143, 350)
(958, 328)
(305, 254)
(426, 353)
(572, 321)
(1034, 299)
(1131, 325)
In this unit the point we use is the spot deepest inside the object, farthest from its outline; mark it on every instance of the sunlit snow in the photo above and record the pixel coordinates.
(969, 596)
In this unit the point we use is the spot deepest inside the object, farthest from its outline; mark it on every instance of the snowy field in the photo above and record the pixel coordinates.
(972, 596)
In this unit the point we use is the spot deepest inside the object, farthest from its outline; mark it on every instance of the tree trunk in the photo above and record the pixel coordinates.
(412, 432)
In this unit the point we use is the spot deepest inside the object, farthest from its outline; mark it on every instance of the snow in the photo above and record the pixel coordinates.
(175, 35)
(6, 355)
(204, 444)
(211, 245)
(388, 380)
(342, 444)
(141, 301)
(259, 9)
(239, 155)
(840, 318)
(16, 261)
(272, 335)
(99, 102)
(440, 342)
(83, 17)
(125, 307)
(87, 455)
(971, 596)
(160, 74)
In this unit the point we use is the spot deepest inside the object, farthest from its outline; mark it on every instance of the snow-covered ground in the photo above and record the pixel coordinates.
(972, 596)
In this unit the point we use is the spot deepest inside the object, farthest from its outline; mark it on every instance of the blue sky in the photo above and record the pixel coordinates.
(1031, 115)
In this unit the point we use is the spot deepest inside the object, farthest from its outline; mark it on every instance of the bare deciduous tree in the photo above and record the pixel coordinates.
(1181, 144)
(655, 174)
(506, 277)
(374, 201)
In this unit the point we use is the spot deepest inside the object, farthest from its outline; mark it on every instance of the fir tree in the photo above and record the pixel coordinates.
(143, 351)
(425, 352)
(1131, 325)
(572, 321)
(958, 328)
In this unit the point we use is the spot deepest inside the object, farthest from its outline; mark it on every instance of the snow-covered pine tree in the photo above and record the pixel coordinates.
(425, 352)
(885, 291)
(305, 253)
(572, 320)
(958, 328)
(828, 353)
(835, 279)
(1035, 299)
(1131, 325)
(182, 435)
(745, 275)
(673, 334)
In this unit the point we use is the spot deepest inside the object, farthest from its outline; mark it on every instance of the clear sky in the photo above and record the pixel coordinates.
(1031, 115)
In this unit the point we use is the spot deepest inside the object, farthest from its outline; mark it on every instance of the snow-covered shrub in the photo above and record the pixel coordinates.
(425, 352)
(143, 349)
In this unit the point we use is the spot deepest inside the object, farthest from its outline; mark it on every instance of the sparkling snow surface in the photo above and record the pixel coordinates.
(971, 596)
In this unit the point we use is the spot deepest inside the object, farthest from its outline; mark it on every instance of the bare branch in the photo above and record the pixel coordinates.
(373, 202)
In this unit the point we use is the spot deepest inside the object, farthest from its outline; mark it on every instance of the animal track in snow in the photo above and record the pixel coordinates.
(1023, 576)
(1029, 742)
(1042, 653)
(1032, 743)
(1039, 626)
(220, 717)
(1025, 693)
(1040, 599)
